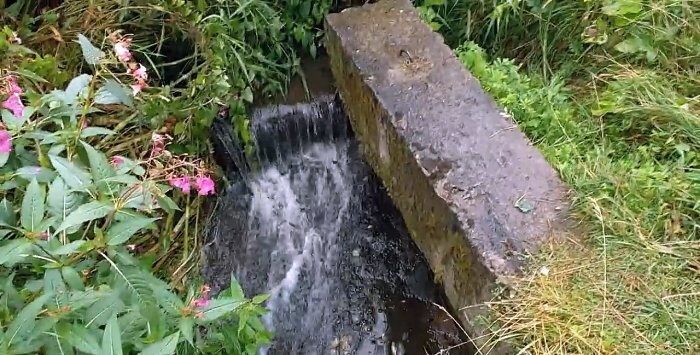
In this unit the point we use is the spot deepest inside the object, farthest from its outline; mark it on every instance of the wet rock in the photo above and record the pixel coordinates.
(455, 166)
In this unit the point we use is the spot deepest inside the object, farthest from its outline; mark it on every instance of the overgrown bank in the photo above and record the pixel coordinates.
(609, 91)
(104, 164)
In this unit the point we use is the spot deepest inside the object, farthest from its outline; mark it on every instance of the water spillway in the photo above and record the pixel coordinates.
(311, 226)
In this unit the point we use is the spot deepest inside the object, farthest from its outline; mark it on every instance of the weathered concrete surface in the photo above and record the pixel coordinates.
(461, 173)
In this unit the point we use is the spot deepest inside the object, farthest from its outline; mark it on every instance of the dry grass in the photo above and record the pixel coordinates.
(582, 299)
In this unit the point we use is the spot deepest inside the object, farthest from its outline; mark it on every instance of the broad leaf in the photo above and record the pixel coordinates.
(91, 54)
(75, 87)
(167, 204)
(69, 248)
(120, 232)
(101, 310)
(26, 319)
(236, 289)
(42, 175)
(13, 251)
(219, 308)
(187, 329)
(12, 122)
(73, 279)
(60, 200)
(111, 339)
(3, 158)
(53, 282)
(100, 167)
(113, 93)
(123, 179)
(33, 207)
(166, 346)
(74, 176)
(95, 131)
(87, 212)
(7, 213)
(82, 339)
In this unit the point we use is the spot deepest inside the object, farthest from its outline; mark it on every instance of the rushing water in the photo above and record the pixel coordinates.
(313, 228)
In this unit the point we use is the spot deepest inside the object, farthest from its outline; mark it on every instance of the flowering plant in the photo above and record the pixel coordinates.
(70, 215)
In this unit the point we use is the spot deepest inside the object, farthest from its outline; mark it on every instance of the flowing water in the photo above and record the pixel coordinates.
(313, 228)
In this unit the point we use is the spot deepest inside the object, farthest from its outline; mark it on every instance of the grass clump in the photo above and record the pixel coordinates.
(609, 92)
(631, 285)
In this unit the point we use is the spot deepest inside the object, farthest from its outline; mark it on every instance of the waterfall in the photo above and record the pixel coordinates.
(312, 227)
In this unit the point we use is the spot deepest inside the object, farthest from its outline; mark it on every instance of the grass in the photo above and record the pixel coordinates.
(609, 92)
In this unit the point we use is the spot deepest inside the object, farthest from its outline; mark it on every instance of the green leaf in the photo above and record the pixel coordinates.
(120, 232)
(305, 9)
(12, 122)
(113, 93)
(75, 87)
(82, 339)
(100, 311)
(25, 320)
(60, 200)
(74, 176)
(123, 179)
(87, 212)
(36, 172)
(260, 298)
(187, 329)
(236, 290)
(7, 213)
(73, 279)
(53, 282)
(3, 158)
(166, 346)
(247, 94)
(111, 339)
(69, 248)
(100, 167)
(219, 308)
(33, 207)
(95, 131)
(91, 54)
(167, 204)
(622, 7)
(630, 45)
(13, 251)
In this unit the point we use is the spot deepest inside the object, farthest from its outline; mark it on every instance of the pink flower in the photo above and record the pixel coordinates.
(14, 104)
(158, 141)
(204, 185)
(121, 49)
(44, 235)
(200, 302)
(183, 183)
(5, 141)
(116, 161)
(14, 88)
(139, 73)
(136, 88)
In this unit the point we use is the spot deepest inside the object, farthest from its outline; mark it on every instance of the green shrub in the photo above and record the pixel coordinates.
(73, 218)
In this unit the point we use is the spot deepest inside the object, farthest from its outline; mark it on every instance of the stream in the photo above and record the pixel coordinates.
(313, 227)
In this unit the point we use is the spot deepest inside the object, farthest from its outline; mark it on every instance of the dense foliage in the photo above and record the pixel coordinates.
(106, 107)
